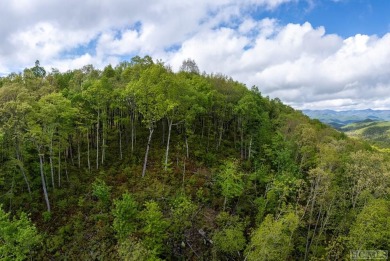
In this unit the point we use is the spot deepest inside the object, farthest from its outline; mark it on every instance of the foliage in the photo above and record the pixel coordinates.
(231, 174)
(125, 213)
(371, 229)
(273, 239)
(102, 191)
(18, 236)
(229, 239)
(230, 181)
(154, 227)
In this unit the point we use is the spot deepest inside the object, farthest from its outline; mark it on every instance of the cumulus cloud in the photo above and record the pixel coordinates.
(302, 65)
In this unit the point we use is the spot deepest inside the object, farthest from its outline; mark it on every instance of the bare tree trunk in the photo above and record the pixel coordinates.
(168, 140)
(186, 141)
(20, 164)
(66, 165)
(120, 142)
(184, 172)
(151, 129)
(163, 129)
(51, 161)
(132, 131)
(89, 161)
(78, 151)
(97, 140)
(59, 164)
(208, 137)
(220, 135)
(104, 127)
(70, 151)
(250, 149)
(43, 181)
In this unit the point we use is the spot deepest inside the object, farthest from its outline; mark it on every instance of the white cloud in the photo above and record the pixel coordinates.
(302, 65)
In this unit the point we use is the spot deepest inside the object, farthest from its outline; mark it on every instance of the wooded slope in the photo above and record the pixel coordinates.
(137, 162)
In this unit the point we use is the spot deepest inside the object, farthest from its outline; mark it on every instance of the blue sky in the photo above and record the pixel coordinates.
(344, 17)
(312, 54)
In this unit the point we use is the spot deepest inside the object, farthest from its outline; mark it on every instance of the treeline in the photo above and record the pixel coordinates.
(138, 162)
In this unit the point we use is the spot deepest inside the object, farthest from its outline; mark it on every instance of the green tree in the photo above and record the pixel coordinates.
(150, 101)
(230, 181)
(273, 239)
(229, 239)
(154, 227)
(18, 236)
(125, 214)
(102, 191)
(14, 107)
(371, 230)
(366, 174)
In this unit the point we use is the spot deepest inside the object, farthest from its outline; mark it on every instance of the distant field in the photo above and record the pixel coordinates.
(377, 132)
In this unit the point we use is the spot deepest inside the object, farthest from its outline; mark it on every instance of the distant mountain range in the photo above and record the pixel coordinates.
(338, 119)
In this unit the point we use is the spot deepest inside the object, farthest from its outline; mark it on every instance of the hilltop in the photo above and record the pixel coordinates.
(137, 162)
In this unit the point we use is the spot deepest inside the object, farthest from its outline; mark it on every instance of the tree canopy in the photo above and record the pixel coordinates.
(138, 162)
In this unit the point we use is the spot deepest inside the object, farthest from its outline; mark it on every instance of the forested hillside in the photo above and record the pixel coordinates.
(137, 162)
(375, 132)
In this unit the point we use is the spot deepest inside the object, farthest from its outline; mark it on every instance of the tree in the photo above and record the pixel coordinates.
(98, 93)
(229, 238)
(154, 227)
(102, 191)
(14, 107)
(125, 213)
(55, 116)
(18, 236)
(366, 173)
(371, 230)
(189, 66)
(182, 211)
(230, 181)
(273, 239)
(149, 98)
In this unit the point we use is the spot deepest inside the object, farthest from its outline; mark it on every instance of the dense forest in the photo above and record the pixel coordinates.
(138, 162)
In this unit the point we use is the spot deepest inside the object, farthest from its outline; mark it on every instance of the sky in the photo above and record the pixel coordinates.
(312, 54)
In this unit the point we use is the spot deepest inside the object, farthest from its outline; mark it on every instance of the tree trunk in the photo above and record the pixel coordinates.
(250, 149)
(78, 151)
(104, 127)
(43, 182)
(132, 131)
(220, 136)
(120, 142)
(97, 140)
(208, 136)
(151, 129)
(168, 140)
(313, 200)
(59, 165)
(19, 158)
(184, 173)
(66, 166)
(89, 161)
(70, 151)
(186, 141)
(163, 134)
(51, 161)
(242, 142)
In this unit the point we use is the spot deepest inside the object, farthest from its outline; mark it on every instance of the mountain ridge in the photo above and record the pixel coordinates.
(338, 119)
